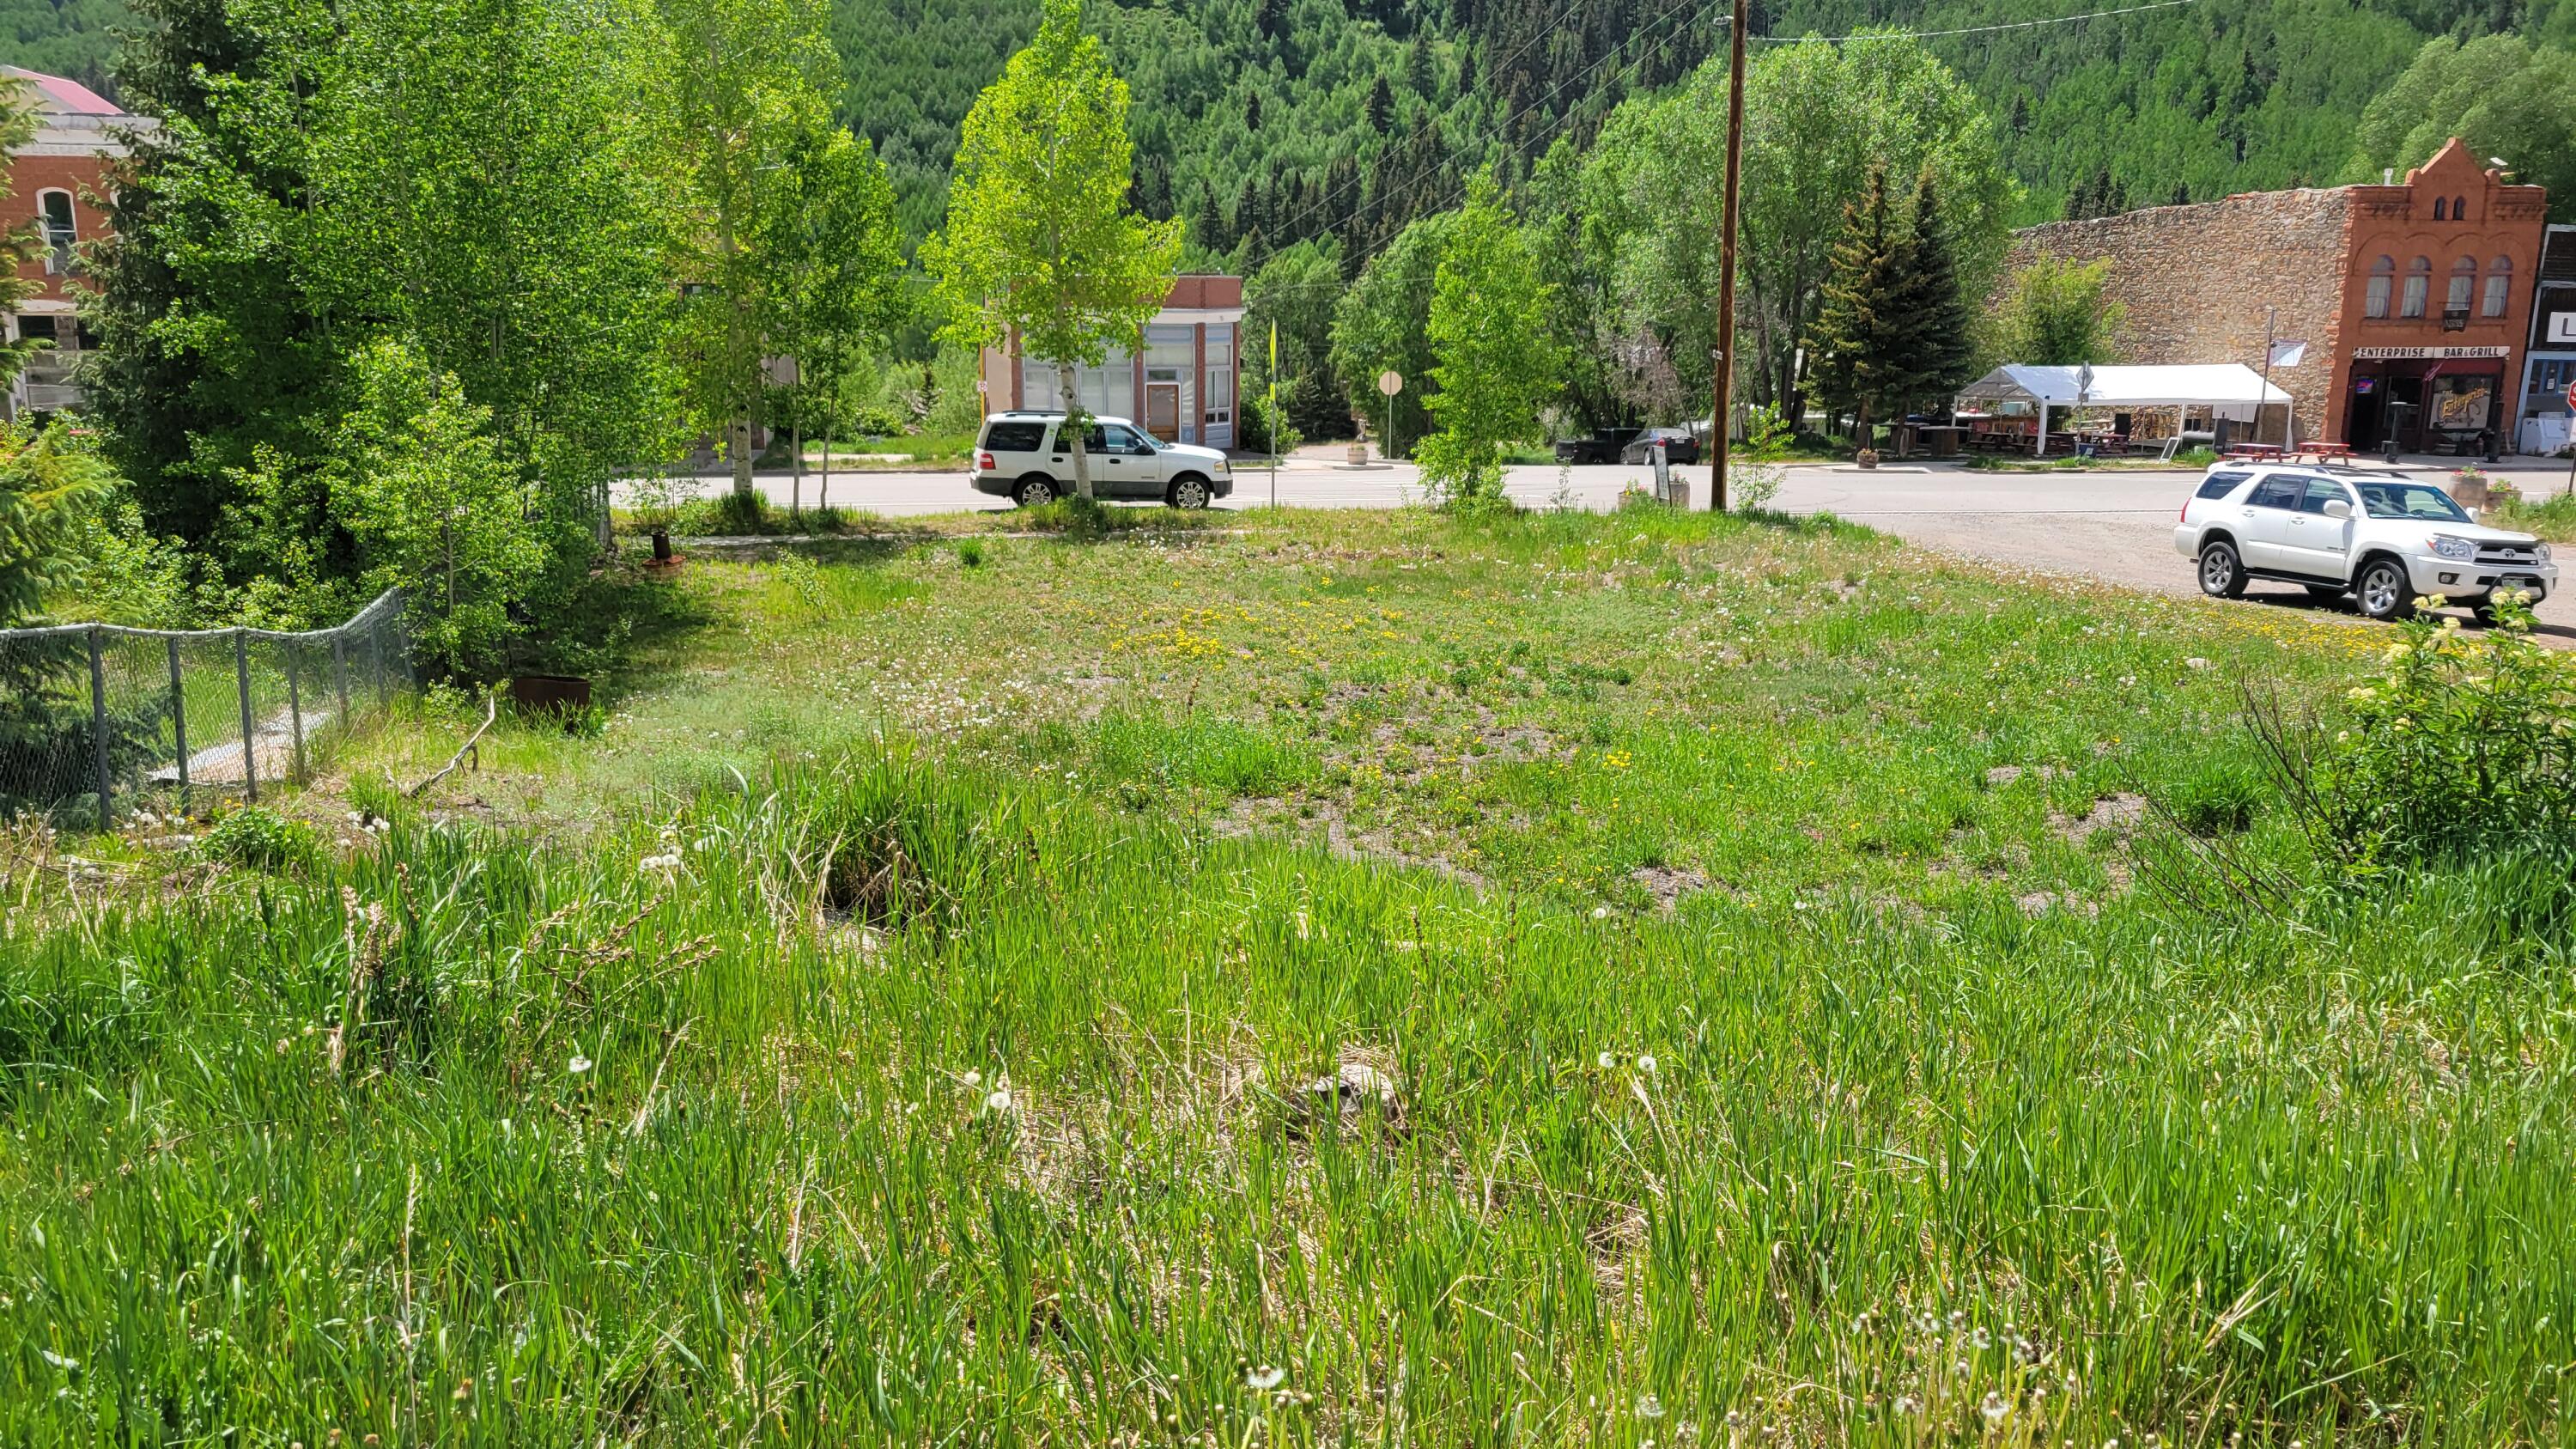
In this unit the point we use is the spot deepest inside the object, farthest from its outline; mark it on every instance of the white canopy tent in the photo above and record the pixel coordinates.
(2227, 389)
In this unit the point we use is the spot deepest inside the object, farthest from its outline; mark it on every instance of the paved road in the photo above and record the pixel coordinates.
(2114, 526)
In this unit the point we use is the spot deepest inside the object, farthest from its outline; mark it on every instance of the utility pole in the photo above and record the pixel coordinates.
(1722, 362)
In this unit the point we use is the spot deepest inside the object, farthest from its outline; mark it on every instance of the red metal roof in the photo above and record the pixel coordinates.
(60, 94)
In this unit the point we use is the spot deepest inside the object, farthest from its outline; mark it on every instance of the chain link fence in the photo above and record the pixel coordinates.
(96, 719)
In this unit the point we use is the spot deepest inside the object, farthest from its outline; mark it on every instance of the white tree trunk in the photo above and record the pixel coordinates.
(1072, 411)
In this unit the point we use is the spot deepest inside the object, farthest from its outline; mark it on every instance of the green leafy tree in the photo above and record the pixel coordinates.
(49, 481)
(2502, 94)
(480, 177)
(1383, 323)
(1495, 363)
(1818, 119)
(747, 89)
(2057, 312)
(210, 350)
(1296, 289)
(20, 244)
(841, 261)
(1864, 344)
(1040, 243)
(434, 506)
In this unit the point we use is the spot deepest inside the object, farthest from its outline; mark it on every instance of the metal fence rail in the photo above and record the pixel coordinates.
(93, 716)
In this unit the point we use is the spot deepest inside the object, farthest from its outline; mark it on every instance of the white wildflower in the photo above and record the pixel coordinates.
(1263, 1379)
(578, 1065)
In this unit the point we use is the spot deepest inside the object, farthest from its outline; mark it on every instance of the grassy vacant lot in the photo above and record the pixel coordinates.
(1378, 978)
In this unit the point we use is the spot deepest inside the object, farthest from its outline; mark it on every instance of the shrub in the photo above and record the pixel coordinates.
(256, 838)
(970, 554)
(876, 422)
(738, 513)
(2464, 747)
(2218, 800)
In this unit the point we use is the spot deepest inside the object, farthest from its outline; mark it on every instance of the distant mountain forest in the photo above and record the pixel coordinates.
(1296, 119)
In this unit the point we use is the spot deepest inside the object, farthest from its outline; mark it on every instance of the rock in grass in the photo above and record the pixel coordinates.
(1345, 1096)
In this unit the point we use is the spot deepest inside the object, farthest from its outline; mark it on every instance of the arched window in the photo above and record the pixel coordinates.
(2499, 286)
(2464, 282)
(2441, 209)
(2459, 208)
(61, 231)
(2383, 274)
(2419, 282)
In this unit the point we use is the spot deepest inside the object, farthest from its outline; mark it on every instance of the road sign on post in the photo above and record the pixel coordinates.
(1389, 382)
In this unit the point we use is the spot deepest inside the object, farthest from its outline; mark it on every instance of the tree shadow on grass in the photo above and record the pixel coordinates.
(618, 623)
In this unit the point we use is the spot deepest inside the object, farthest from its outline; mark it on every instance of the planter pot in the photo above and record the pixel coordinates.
(661, 545)
(1867, 458)
(1358, 453)
(556, 694)
(2469, 490)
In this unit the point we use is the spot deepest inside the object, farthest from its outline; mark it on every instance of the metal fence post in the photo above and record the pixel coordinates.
(295, 712)
(340, 673)
(376, 658)
(241, 676)
(179, 722)
(98, 728)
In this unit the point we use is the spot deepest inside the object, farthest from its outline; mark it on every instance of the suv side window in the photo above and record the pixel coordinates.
(2276, 492)
(1013, 437)
(2322, 491)
(2219, 485)
(1118, 439)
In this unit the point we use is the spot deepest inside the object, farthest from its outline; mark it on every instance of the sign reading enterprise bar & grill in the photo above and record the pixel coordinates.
(2385, 354)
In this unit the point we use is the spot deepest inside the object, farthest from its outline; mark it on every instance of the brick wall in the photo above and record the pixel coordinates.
(2197, 279)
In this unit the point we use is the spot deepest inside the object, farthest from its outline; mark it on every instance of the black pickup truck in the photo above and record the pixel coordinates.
(1601, 447)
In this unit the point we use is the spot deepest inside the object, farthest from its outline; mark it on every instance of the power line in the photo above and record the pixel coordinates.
(1965, 29)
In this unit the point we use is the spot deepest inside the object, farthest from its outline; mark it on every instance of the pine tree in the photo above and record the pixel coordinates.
(1417, 67)
(1381, 105)
(1272, 18)
(2181, 194)
(1939, 314)
(1207, 226)
(1252, 110)
(1863, 347)
(2017, 120)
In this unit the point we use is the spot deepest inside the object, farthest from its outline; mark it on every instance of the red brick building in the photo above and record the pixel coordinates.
(2414, 297)
(58, 181)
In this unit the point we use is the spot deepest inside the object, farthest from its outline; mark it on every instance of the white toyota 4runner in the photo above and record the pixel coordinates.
(2383, 538)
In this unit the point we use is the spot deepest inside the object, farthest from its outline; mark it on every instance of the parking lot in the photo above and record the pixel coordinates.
(2115, 526)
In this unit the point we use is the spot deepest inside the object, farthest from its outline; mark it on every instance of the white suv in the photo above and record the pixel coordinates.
(1023, 456)
(2384, 538)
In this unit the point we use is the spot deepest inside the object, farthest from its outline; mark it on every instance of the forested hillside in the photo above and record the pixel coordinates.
(1293, 118)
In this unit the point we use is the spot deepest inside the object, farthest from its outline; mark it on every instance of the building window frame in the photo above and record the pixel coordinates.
(2383, 277)
(61, 232)
(2499, 288)
(2419, 286)
(2441, 208)
(2459, 292)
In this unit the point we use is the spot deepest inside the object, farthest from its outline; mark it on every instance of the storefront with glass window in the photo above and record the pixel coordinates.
(1180, 387)
(2426, 399)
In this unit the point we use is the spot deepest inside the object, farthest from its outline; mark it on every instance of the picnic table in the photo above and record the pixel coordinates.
(2324, 452)
(2261, 452)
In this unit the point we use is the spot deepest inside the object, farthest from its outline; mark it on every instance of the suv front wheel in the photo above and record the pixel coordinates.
(2222, 573)
(1035, 491)
(1188, 491)
(2383, 590)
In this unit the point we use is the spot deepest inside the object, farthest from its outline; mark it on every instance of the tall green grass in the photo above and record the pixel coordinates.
(883, 1103)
